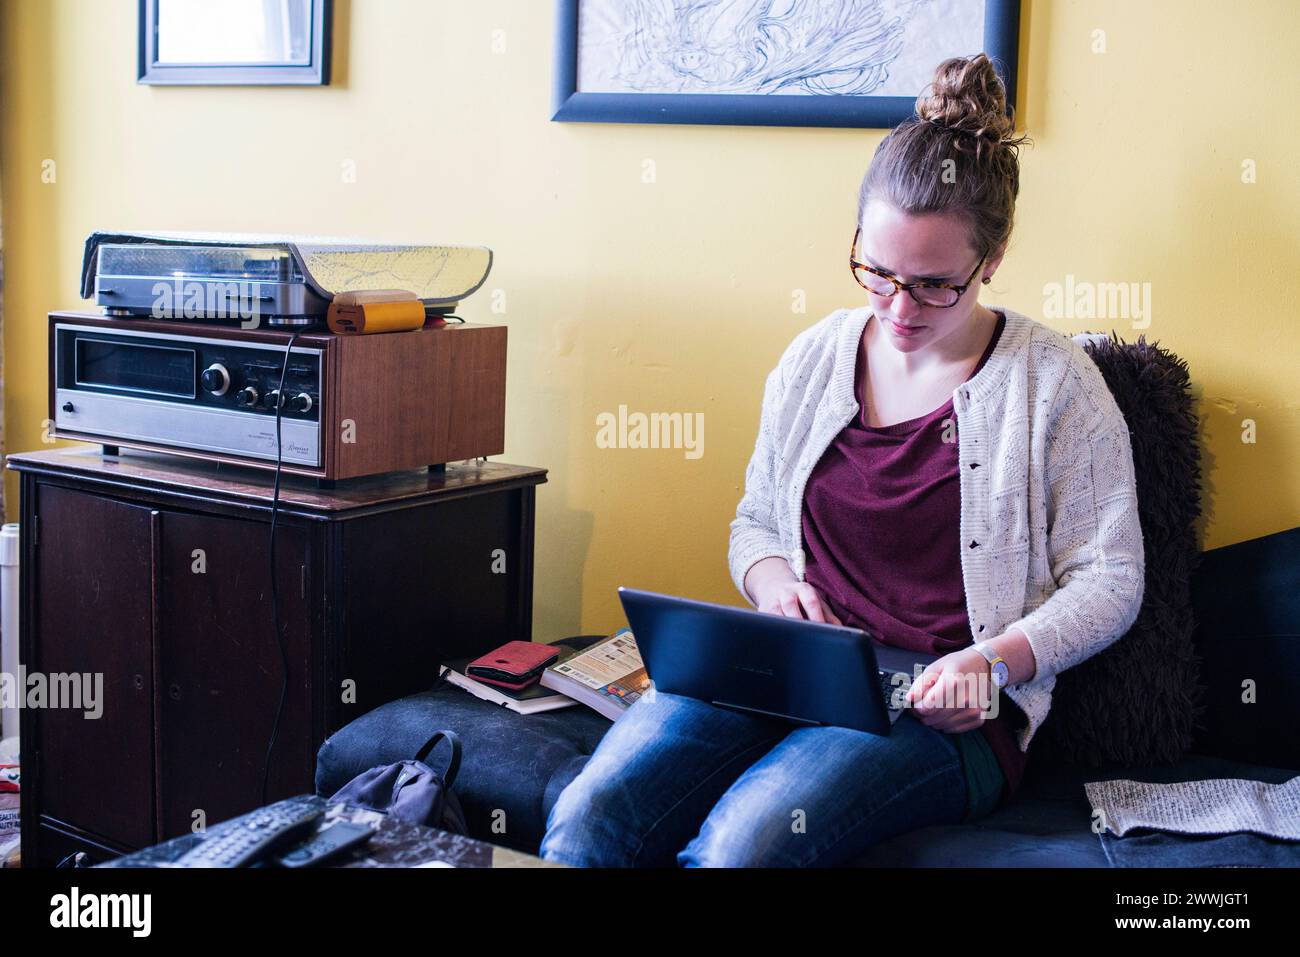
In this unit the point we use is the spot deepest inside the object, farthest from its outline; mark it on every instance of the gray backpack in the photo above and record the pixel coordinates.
(411, 790)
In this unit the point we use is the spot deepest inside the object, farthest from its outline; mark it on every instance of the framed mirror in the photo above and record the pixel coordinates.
(242, 42)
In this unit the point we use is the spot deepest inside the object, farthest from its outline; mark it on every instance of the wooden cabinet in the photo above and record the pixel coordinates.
(219, 667)
(92, 599)
(151, 575)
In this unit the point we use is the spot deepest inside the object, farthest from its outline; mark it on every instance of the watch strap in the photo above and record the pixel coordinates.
(993, 658)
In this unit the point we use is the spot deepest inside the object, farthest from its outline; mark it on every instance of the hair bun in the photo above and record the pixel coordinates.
(967, 97)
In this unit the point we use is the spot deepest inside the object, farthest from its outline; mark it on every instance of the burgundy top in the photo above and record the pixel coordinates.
(883, 544)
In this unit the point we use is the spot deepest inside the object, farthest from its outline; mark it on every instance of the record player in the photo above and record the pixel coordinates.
(257, 280)
(244, 284)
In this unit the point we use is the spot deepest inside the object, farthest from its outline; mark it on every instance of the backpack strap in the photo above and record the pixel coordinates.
(453, 766)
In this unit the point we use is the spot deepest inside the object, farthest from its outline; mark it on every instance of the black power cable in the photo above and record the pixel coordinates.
(275, 592)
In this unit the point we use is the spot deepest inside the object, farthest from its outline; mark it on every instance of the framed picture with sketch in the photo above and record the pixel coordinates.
(839, 63)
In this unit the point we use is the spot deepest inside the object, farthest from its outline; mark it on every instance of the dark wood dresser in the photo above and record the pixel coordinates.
(154, 572)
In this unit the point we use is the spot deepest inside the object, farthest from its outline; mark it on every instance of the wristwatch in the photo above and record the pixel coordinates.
(997, 664)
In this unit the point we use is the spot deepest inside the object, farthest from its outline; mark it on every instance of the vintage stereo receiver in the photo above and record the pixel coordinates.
(350, 406)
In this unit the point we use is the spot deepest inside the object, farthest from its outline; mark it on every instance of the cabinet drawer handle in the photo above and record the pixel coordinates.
(138, 681)
(175, 692)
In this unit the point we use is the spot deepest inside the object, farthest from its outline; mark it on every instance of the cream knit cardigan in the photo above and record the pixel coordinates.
(1049, 525)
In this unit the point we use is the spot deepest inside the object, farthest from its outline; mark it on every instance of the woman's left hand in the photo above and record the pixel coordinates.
(955, 693)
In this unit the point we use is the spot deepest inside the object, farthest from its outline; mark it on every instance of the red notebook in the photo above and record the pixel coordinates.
(514, 665)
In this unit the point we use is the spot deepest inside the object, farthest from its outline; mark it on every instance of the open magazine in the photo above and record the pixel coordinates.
(604, 673)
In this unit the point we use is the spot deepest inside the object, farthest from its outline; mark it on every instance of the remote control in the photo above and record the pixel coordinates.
(243, 840)
(327, 844)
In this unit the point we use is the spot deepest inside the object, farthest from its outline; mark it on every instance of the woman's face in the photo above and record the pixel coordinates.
(931, 247)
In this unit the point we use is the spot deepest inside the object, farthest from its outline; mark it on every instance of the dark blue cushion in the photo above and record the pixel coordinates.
(506, 766)
(1049, 825)
(1247, 610)
(1026, 833)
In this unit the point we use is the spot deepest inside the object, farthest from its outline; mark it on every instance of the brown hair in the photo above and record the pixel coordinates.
(964, 119)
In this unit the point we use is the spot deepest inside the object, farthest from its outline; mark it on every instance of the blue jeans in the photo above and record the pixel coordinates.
(677, 781)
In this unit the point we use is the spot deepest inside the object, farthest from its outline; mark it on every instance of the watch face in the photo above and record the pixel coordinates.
(1001, 673)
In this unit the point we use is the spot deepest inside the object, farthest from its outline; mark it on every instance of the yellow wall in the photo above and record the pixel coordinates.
(676, 295)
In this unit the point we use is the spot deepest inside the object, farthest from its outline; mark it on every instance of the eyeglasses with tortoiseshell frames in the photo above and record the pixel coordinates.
(934, 294)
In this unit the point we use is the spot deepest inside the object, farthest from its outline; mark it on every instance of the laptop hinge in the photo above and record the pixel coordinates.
(770, 714)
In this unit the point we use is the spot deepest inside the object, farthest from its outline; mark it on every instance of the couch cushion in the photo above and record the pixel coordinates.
(1049, 825)
(507, 762)
(1145, 847)
(1027, 833)
(1046, 830)
(1248, 632)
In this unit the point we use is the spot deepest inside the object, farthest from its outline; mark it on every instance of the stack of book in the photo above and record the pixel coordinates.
(603, 672)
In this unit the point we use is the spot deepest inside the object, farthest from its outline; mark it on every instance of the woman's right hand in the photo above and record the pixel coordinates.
(776, 590)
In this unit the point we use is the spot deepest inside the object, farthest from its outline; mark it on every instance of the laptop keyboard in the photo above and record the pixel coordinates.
(888, 689)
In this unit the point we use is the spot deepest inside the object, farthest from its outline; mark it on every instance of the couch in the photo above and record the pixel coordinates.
(1248, 609)
(1209, 621)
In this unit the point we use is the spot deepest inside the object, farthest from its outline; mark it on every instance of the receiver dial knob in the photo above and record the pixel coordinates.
(246, 396)
(299, 403)
(215, 379)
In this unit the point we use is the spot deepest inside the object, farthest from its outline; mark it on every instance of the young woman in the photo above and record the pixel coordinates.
(952, 479)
